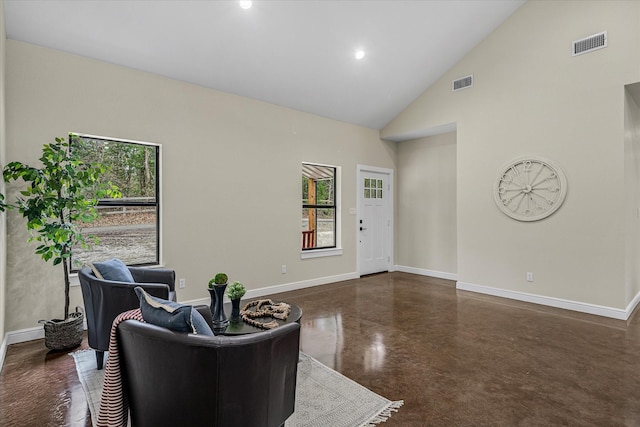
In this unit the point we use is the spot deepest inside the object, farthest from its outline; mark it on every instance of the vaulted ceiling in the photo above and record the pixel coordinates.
(297, 54)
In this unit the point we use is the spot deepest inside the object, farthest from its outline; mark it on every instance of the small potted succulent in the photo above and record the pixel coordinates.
(218, 279)
(235, 292)
(217, 286)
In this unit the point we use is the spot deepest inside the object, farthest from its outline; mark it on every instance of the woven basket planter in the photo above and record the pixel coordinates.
(63, 334)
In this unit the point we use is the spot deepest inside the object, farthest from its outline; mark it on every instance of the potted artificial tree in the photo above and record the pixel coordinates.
(60, 196)
(217, 286)
(235, 292)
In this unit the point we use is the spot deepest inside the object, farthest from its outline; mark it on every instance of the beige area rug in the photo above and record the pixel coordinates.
(324, 397)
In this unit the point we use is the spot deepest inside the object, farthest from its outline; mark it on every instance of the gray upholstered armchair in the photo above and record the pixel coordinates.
(224, 381)
(105, 299)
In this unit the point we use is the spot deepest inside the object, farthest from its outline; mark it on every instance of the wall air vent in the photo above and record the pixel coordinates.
(462, 83)
(589, 44)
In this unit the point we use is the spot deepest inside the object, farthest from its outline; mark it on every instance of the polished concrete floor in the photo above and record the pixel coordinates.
(455, 358)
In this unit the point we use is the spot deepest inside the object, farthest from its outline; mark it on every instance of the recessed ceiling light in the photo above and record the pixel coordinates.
(360, 54)
(245, 4)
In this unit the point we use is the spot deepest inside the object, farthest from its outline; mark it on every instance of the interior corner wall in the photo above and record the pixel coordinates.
(231, 167)
(3, 234)
(632, 185)
(531, 96)
(426, 206)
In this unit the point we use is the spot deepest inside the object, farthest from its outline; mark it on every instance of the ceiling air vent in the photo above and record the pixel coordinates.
(462, 83)
(589, 44)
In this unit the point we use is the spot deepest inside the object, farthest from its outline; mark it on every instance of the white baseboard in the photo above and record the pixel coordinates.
(3, 351)
(424, 272)
(19, 336)
(599, 310)
(23, 335)
(276, 289)
(30, 334)
(632, 305)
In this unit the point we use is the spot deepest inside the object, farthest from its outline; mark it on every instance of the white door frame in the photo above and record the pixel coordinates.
(361, 170)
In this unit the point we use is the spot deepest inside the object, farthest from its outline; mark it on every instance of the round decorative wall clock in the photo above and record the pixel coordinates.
(530, 188)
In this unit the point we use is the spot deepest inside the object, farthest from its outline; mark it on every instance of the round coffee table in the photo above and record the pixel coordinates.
(239, 327)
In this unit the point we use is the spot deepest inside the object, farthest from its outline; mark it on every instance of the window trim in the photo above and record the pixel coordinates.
(157, 203)
(320, 253)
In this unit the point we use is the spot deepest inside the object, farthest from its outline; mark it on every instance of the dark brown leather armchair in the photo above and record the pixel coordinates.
(224, 381)
(105, 299)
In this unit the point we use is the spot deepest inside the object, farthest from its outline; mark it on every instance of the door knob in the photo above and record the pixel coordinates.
(363, 228)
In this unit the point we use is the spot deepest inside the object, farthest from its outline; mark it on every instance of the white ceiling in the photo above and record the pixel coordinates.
(297, 54)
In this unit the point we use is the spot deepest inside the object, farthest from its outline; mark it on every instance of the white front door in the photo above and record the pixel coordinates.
(374, 221)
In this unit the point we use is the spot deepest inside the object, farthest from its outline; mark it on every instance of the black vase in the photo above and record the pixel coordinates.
(220, 321)
(235, 309)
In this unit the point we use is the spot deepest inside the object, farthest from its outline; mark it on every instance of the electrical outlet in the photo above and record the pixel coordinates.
(529, 277)
(284, 269)
(182, 283)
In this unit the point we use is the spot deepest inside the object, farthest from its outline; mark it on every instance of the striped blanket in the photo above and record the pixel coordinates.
(114, 408)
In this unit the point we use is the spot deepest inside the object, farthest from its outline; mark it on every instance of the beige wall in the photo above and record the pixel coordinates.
(3, 240)
(530, 96)
(230, 172)
(426, 204)
(632, 184)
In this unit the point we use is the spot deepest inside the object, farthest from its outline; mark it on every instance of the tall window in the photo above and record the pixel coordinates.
(318, 206)
(129, 227)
